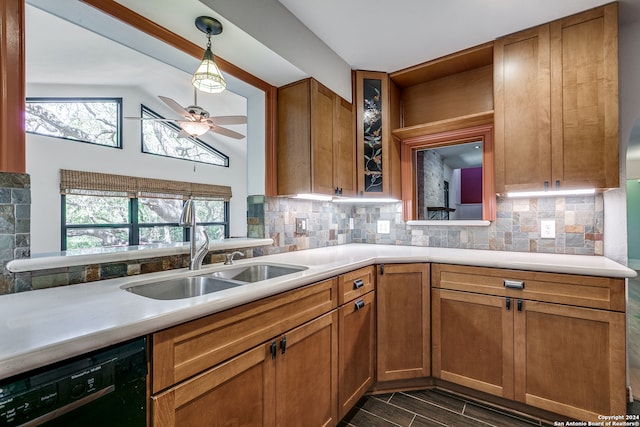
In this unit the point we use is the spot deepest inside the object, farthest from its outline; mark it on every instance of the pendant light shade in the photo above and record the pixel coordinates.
(207, 77)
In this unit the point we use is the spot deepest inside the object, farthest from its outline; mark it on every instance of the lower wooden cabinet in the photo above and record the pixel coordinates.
(403, 319)
(356, 350)
(561, 358)
(306, 374)
(238, 392)
(473, 341)
(290, 381)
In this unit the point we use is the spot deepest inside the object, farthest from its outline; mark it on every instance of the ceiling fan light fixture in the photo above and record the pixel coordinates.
(194, 128)
(207, 77)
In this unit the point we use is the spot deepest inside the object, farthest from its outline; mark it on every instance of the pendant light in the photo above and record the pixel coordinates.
(207, 77)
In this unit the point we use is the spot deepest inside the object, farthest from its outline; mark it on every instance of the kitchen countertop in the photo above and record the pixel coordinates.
(49, 325)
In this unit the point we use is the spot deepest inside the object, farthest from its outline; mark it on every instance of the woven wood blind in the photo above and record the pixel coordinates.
(94, 183)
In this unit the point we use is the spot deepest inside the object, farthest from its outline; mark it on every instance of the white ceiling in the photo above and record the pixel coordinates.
(385, 35)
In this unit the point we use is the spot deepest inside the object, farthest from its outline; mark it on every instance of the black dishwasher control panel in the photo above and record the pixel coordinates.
(44, 395)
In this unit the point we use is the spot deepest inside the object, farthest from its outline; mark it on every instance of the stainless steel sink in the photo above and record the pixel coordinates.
(193, 286)
(183, 287)
(256, 272)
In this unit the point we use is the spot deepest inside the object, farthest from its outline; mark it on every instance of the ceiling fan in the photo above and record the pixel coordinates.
(196, 120)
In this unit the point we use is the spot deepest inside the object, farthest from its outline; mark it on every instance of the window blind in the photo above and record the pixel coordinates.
(95, 183)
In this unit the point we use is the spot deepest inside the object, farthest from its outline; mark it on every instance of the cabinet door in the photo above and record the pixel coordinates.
(322, 105)
(378, 155)
(238, 392)
(522, 110)
(584, 94)
(473, 341)
(570, 360)
(403, 318)
(294, 138)
(344, 148)
(306, 374)
(356, 350)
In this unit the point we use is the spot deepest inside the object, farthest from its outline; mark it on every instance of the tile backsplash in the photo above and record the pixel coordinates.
(579, 225)
(579, 230)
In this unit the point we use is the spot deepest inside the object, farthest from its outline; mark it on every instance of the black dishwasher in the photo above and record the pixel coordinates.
(99, 389)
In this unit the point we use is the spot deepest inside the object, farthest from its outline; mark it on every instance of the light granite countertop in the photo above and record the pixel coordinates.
(49, 325)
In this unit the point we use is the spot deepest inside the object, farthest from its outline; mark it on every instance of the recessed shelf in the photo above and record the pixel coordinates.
(462, 122)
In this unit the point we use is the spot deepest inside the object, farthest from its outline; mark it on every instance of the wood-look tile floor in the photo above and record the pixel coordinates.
(435, 407)
(432, 407)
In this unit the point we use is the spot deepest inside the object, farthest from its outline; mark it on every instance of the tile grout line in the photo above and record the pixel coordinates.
(382, 418)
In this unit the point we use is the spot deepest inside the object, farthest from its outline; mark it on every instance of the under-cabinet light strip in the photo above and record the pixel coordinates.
(552, 193)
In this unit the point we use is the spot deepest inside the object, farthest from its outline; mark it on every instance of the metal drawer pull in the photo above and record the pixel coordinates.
(359, 305)
(513, 284)
(358, 283)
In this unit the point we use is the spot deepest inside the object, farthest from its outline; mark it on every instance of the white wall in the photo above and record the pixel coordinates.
(615, 204)
(278, 29)
(46, 156)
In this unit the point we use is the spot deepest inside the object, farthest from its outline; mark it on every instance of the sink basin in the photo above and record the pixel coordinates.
(193, 286)
(256, 272)
(183, 287)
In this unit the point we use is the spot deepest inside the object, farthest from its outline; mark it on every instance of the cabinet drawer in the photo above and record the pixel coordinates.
(355, 284)
(185, 350)
(584, 291)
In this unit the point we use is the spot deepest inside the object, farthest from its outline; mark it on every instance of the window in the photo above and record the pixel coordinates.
(103, 210)
(162, 138)
(417, 170)
(91, 120)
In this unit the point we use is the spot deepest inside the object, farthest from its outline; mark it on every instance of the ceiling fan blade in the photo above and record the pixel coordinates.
(151, 118)
(226, 132)
(176, 107)
(227, 120)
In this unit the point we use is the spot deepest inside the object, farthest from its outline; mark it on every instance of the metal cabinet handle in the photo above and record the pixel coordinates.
(513, 284)
(358, 283)
(273, 349)
(519, 305)
(508, 304)
(283, 344)
(359, 305)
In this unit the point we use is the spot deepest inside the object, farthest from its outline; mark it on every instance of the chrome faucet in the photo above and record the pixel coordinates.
(188, 219)
(228, 258)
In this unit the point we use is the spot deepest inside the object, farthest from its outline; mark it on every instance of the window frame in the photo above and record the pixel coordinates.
(134, 226)
(144, 109)
(116, 100)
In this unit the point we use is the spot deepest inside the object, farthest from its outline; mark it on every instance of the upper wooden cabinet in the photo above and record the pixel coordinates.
(378, 155)
(316, 141)
(556, 104)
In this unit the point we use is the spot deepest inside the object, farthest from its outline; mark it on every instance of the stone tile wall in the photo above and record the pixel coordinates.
(327, 224)
(579, 226)
(15, 216)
